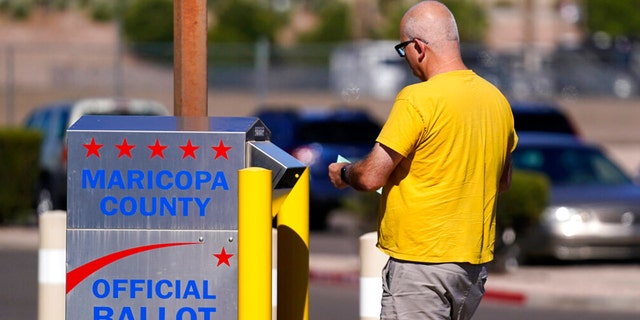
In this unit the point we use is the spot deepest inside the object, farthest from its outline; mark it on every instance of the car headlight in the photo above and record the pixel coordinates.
(567, 214)
(308, 155)
(568, 219)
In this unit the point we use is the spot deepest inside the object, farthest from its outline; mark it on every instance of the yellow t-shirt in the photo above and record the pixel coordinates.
(455, 131)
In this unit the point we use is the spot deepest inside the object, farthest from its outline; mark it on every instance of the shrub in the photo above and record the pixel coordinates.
(20, 150)
(524, 203)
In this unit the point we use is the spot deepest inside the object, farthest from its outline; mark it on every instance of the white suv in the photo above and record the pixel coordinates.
(53, 120)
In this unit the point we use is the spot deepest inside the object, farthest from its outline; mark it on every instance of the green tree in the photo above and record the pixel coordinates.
(390, 28)
(470, 16)
(102, 10)
(245, 21)
(617, 18)
(334, 23)
(471, 19)
(148, 21)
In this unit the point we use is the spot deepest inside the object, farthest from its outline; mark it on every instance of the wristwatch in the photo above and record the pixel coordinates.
(343, 174)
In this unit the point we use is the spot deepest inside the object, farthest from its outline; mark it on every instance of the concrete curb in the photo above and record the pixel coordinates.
(584, 287)
(610, 287)
(19, 238)
(346, 269)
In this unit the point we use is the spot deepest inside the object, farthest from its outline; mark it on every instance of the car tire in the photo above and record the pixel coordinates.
(318, 214)
(508, 260)
(507, 255)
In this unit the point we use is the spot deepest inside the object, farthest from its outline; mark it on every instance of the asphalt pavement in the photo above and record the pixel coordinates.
(334, 256)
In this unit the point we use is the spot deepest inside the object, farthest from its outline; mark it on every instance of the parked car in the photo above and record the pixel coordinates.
(594, 207)
(582, 72)
(53, 120)
(543, 117)
(316, 137)
(368, 68)
(373, 68)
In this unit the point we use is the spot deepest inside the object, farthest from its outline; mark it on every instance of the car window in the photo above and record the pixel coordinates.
(339, 132)
(281, 127)
(60, 127)
(46, 123)
(544, 122)
(120, 112)
(35, 121)
(38, 121)
(570, 166)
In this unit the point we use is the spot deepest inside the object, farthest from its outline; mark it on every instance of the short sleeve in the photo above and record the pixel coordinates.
(403, 129)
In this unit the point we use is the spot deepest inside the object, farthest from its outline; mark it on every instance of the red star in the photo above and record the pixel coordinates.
(93, 148)
(223, 257)
(221, 150)
(125, 148)
(157, 149)
(189, 150)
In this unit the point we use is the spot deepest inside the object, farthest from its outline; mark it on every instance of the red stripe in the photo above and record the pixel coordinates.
(505, 296)
(77, 275)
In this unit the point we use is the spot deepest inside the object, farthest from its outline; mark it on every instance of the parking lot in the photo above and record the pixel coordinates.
(611, 122)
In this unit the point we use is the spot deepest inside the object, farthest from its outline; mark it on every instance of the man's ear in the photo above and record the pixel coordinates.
(421, 51)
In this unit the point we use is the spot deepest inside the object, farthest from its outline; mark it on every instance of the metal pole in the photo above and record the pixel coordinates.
(51, 265)
(118, 75)
(254, 244)
(529, 35)
(10, 84)
(262, 69)
(190, 57)
(293, 253)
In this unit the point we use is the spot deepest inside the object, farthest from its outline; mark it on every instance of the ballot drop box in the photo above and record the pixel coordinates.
(152, 215)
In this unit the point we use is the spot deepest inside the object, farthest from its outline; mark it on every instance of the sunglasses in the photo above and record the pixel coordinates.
(402, 45)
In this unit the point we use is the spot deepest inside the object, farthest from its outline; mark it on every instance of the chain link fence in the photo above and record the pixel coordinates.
(31, 75)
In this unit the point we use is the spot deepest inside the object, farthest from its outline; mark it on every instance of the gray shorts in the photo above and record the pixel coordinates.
(431, 291)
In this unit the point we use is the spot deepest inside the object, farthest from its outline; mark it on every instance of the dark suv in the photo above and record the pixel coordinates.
(316, 137)
(542, 117)
(53, 120)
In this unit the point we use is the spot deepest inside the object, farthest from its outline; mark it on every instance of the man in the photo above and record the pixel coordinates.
(442, 157)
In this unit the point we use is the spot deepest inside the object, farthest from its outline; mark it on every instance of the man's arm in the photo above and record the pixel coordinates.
(368, 174)
(505, 179)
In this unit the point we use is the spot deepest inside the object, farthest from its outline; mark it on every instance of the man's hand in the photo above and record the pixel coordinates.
(368, 174)
(334, 175)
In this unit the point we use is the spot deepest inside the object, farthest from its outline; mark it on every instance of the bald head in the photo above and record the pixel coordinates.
(439, 50)
(431, 21)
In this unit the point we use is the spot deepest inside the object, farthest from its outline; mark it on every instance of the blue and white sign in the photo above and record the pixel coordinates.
(152, 216)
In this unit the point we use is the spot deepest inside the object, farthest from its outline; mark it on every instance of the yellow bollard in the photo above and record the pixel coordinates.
(254, 244)
(51, 265)
(293, 253)
(274, 273)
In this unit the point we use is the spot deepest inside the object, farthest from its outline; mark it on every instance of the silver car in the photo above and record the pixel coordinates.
(594, 208)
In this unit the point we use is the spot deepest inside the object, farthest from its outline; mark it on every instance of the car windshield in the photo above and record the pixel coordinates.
(547, 122)
(570, 166)
(123, 112)
(339, 132)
